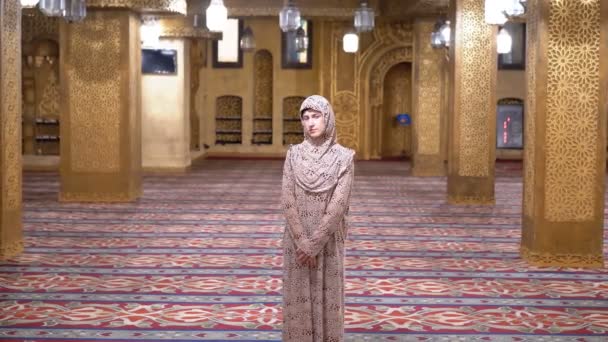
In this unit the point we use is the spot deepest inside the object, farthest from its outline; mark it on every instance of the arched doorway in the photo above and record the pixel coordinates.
(395, 140)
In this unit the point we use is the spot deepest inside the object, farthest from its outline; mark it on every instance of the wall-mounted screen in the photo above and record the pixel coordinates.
(509, 126)
(159, 61)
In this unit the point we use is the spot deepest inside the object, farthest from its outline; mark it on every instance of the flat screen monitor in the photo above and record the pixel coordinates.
(159, 61)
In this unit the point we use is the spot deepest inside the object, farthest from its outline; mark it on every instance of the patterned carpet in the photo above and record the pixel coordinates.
(198, 258)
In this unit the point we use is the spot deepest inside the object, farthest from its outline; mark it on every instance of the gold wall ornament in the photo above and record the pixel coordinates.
(157, 6)
(181, 27)
(346, 106)
(101, 112)
(564, 166)
(263, 97)
(39, 26)
(562, 259)
(10, 133)
(263, 84)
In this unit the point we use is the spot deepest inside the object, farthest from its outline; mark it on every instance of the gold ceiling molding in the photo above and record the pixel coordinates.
(333, 8)
(154, 6)
(305, 12)
(180, 27)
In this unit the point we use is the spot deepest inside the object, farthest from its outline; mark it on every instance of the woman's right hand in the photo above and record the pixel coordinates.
(305, 259)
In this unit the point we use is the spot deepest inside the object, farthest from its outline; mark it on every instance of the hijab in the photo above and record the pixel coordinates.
(317, 166)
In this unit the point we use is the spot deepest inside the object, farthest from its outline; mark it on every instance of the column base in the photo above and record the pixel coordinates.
(471, 190)
(11, 249)
(428, 166)
(479, 200)
(121, 197)
(561, 260)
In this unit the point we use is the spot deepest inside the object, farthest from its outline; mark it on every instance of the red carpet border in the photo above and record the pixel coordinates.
(198, 258)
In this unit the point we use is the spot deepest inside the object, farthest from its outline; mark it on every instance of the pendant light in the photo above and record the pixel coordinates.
(301, 40)
(217, 16)
(504, 42)
(350, 42)
(289, 17)
(29, 3)
(150, 33)
(76, 10)
(445, 32)
(52, 8)
(247, 42)
(364, 18)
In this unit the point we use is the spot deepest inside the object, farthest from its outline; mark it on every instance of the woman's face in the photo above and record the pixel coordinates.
(313, 123)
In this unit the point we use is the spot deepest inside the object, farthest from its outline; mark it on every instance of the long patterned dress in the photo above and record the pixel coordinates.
(313, 299)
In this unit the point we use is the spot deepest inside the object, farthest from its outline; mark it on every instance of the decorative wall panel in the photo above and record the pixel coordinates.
(94, 92)
(572, 117)
(428, 89)
(10, 105)
(476, 62)
(530, 111)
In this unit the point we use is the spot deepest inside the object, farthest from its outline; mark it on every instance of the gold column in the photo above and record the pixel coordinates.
(471, 149)
(565, 133)
(11, 239)
(427, 89)
(101, 112)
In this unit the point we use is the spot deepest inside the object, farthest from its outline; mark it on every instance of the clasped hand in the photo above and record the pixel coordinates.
(305, 259)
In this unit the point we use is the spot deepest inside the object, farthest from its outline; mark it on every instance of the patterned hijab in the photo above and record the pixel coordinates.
(317, 166)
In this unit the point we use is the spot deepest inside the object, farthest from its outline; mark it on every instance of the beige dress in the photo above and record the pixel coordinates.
(313, 299)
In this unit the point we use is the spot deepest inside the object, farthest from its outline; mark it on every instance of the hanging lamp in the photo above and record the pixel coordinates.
(301, 40)
(364, 18)
(75, 10)
(247, 42)
(289, 17)
(216, 16)
(52, 8)
(350, 42)
(504, 42)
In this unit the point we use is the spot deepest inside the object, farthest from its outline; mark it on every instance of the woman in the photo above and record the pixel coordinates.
(317, 180)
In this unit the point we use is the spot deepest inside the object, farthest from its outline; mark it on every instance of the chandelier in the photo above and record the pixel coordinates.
(29, 3)
(364, 18)
(52, 8)
(247, 42)
(498, 12)
(150, 32)
(350, 42)
(440, 37)
(289, 17)
(75, 10)
(217, 16)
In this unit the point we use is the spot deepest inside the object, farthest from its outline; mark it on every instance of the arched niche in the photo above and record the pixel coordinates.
(292, 127)
(228, 119)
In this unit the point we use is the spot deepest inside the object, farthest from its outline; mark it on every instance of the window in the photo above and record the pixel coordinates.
(226, 52)
(516, 59)
(290, 57)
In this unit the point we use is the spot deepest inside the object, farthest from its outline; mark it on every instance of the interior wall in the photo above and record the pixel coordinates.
(240, 82)
(166, 114)
(511, 84)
